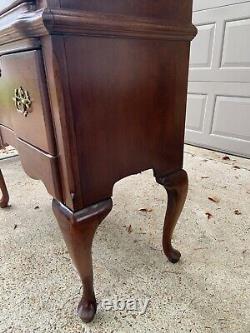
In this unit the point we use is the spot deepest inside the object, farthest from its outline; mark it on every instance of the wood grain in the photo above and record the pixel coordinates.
(127, 108)
(30, 23)
(109, 86)
(37, 164)
(78, 231)
(169, 10)
(176, 185)
(26, 70)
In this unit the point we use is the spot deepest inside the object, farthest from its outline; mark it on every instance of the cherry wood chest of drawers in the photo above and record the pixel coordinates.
(92, 92)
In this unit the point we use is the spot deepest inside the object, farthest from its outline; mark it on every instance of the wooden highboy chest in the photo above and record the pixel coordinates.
(92, 91)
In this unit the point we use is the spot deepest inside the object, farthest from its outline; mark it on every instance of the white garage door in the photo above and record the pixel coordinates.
(218, 114)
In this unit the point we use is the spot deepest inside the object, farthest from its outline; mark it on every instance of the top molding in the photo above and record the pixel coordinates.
(6, 5)
(30, 24)
(171, 11)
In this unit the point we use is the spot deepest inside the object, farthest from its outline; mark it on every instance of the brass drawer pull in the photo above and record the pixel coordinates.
(22, 101)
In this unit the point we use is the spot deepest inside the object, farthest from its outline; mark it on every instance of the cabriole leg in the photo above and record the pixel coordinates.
(176, 185)
(5, 195)
(78, 230)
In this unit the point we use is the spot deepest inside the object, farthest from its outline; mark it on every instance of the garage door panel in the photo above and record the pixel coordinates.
(218, 108)
(195, 119)
(224, 75)
(231, 117)
(226, 116)
(230, 44)
(204, 42)
(230, 146)
(205, 4)
(236, 46)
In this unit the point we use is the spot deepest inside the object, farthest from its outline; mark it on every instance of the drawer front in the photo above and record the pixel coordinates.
(5, 117)
(37, 164)
(24, 104)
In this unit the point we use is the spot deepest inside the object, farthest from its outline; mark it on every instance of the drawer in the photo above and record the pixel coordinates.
(24, 103)
(37, 164)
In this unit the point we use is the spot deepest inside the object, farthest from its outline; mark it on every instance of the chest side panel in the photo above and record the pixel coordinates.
(128, 99)
(174, 11)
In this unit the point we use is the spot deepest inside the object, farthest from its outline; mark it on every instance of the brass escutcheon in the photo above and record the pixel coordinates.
(22, 101)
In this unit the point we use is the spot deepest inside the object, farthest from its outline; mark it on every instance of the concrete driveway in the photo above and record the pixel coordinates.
(207, 292)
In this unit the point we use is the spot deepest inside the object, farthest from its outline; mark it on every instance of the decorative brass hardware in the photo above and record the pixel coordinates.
(22, 101)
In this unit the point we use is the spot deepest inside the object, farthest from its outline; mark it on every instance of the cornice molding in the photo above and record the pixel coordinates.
(6, 5)
(99, 24)
(20, 23)
(46, 21)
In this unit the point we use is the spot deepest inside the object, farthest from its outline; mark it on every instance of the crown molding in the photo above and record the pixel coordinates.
(6, 5)
(30, 24)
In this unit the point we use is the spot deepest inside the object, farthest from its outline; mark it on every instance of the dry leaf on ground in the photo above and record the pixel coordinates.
(209, 215)
(146, 210)
(214, 199)
(129, 229)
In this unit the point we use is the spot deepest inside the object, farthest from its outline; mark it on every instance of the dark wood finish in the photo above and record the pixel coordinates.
(108, 82)
(78, 230)
(57, 21)
(100, 24)
(56, 71)
(172, 11)
(176, 185)
(5, 195)
(37, 164)
(149, 77)
(44, 167)
(26, 70)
